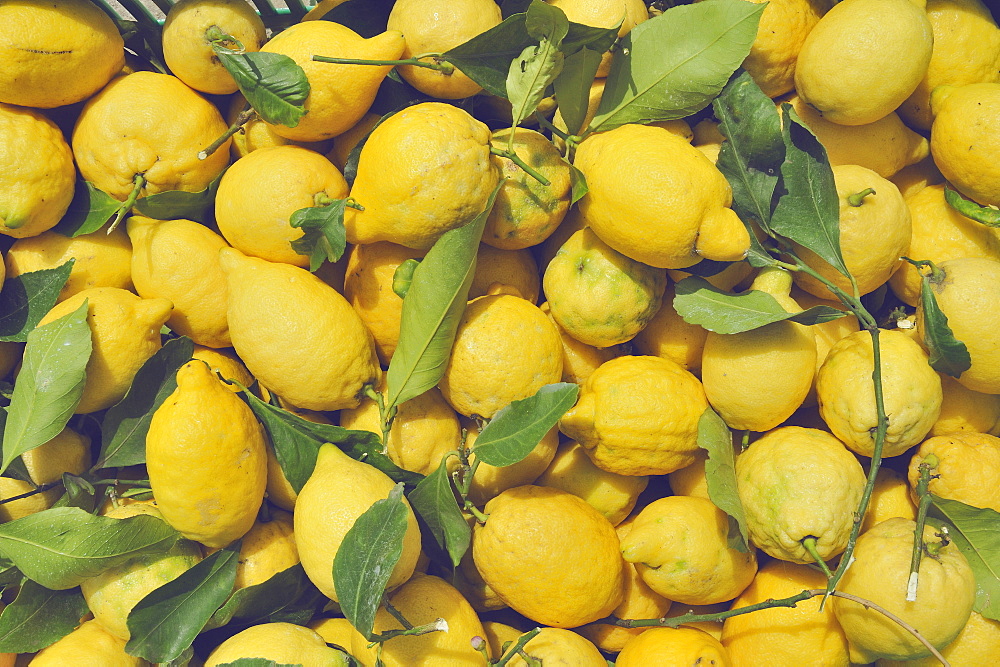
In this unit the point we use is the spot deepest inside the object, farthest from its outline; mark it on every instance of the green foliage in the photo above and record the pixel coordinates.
(178, 204)
(572, 86)
(88, 211)
(287, 596)
(976, 532)
(324, 237)
(38, 617)
(986, 215)
(433, 499)
(486, 58)
(516, 429)
(26, 299)
(947, 354)
(274, 85)
(715, 438)
(538, 65)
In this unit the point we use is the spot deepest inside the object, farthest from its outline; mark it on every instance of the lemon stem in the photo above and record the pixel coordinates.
(929, 463)
(439, 625)
(216, 36)
(474, 511)
(858, 198)
(517, 648)
(513, 157)
(441, 66)
(396, 614)
(385, 415)
(809, 544)
(242, 119)
(137, 182)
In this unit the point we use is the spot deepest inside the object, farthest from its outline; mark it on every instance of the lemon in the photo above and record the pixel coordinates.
(279, 492)
(88, 643)
(422, 172)
(598, 295)
(655, 198)
(56, 54)
(579, 359)
(638, 416)
(782, 635)
(37, 178)
(330, 355)
(827, 333)
(225, 364)
(963, 293)
(679, 547)
(259, 193)
(343, 144)
(852, 77)
(471, 584)
(673, 646)
(113, 594)
(179, 260)
(339, 490)
(515, 271)
(691, 480)
(187, 40)
(506, 349)
(880, 571)
(435, 26)
(890, 499)
(967, 470)
(966, 50)
(490, 481)
(667, 335)
(339, 95)
(846, 394)
(11, 510)
(497, 634)
(966, 410)
(267, 549)
(756, 379)
(99, 259)
(604, 14)
(68, 452)
(550, 556)
(125, 332)
(336, 631)
(281, 643)
(796, 483)
(976, 644)
(556, 646)
(152, 125)
(255, 133)
(914, 178)
(966, 119)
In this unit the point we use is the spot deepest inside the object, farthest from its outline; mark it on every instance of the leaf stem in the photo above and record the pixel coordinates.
(516, 159)
(439, 65)
(517, 647)
(809, 544)
(138, 181)
(385, 416)
(474, 511)
(929, 463)
(242, 119)
(396, 614)
(439, 625)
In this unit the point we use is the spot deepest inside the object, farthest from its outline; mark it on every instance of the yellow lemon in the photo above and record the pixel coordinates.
(556, 646)
(497, 635)
(976, 644)
(966, 410)
(490, 481)
(281, 643)
(514, 270)
(604, 14)
(912, 179)
(267, 549)
(963, 138)
(255, 133)
(336, 631)
(11, 510)
(225, 364)
(89, 642)
(673, 646)
(343, 144)
(967, 468)
(579, 359)
(68, 452)
(890, 498)
(667, 335)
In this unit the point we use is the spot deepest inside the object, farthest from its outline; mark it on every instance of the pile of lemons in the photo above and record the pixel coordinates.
(610, 514)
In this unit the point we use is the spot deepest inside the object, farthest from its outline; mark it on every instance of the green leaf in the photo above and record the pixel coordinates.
(257, 662)
(274, 85)
(165, 622)
(50, 383)
(366, 558)
(715, 438)
(808, 209)
(516, 429)
(402, 277)
(572, 87)
(699, 302)
(177, 204)
(532, 72)
(976, 532)
(754, 149)
(987, 215)
(324, 237)
(60, 547)
(88, 211)
(674, 65)
(947, 353)
(25, 300)
(595, 39)
(486, 58)
(296, 443)
(433, 308)
(284, 592)
(125, 424)
(578, 183)
(434, 500)
(38, 617)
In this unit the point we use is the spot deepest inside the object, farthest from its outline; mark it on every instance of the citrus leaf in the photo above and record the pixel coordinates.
(986, 215)
(581, 36)
(257, 662)
(433, 499)
(125, 424)
(486, 58)
(274, 85)
(25, 299)
(707, 268)
(283, 593)
(538, 65)
(976, 532)
(754, 149)
(324, 237)
(699, 302)
(578, 184)
(165, 622)
(433, 308)
(177, 204)
(60, 547)
(50, 383)
(572, 87)
(38, 617)
(674, 65)
(808, 208)
(947, 354)
(88, 211)
(366, 558)
(516, 429)
(715, 438)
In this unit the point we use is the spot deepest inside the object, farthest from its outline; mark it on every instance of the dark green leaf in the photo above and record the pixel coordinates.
(366, 558)
(808, 209)
(38, 617)
(26, 299)
(674, 65)
(79, 492)
(707, 268)
(578, 183)
(402, 277)
(572, 87)
(976, 532)
(60, 547)
(715, 438)
(324, 237)
(177, 204)
(754, 149)
(433, 308)
(49, 385)
(88, 211)
(516, 429)
(286, 591)
(434, 500)
(486, 58)
(699, 302)
(123, 431)
(947, 354)
(538, 65)
(257, 662)
(582, 36)
(167, 620)
(274, 85)
(987, 215)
